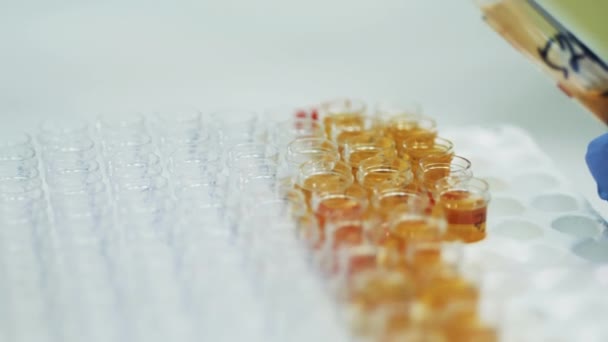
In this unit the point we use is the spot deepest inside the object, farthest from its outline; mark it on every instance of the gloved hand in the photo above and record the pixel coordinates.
(597, 161)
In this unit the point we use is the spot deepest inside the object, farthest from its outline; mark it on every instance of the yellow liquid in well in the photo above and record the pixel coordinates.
(347, 236)
(466, 215)
(383, 290)
(320, 182)
(338, 208)
(355, 264)
(440, 293)
(356, 157)
(355, 136)
(392, 204)
(471, 332)
(338, 121)
(424, 258)
(437, 154)
(378, 177)
(384, 259)
(400, 132)
(414, 230)
(416, 154)
(382, 178)
(431, 176)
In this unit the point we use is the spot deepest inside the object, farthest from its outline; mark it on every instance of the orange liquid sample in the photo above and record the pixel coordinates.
(361, 154)
(382, 289)
(377, 233)
(355, 264)
(431, 176)
(382, 178)
(320, 182)
(307, 229)
(356, 157)
(333, 209)
(355, 135)
(424, 258)
(415, 334)
(412, 230)
(402, 268)
(443, 291)
(378, 177)
(439, 154)
(418, 240)
(336, 122)
(393, 203)
(347, 236)
(400, 132)
(465, 213)
(471, 332)
(339, 208)
(419, 153)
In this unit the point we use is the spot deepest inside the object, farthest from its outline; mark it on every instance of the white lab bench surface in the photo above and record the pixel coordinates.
(91, 57)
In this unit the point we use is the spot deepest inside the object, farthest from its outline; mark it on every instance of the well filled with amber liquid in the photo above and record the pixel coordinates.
(380, 229)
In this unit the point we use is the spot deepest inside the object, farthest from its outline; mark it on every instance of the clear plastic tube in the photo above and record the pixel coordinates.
(254, 168)
(55, 131)
(16, 153)
(112, 126)
(182, 127)
(204, 152)
(71, 175)
(285, 131)
(137, 141)
(18, 170)
(19, 184)
(83, 202)
(236, 126)
(134, 164)
(14, 139)
(140, 194)
(243, 155)
(22, 205)
(305, 149)
(192, 196)
(18, 161)
(69, 149)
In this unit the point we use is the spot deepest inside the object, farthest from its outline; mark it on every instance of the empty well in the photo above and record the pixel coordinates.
(555, 203)
(479, 163)
(534, 182)
(544, 255)
(496, 184)
(577, 225)
(574, 279)
(505, 206)
(529, 160)
(487, 259)
(517, 229)
(592, 250)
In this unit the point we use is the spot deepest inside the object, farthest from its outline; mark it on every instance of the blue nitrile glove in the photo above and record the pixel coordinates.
(597, 160)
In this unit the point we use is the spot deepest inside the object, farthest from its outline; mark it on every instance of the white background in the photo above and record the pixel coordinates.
(60, 57)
